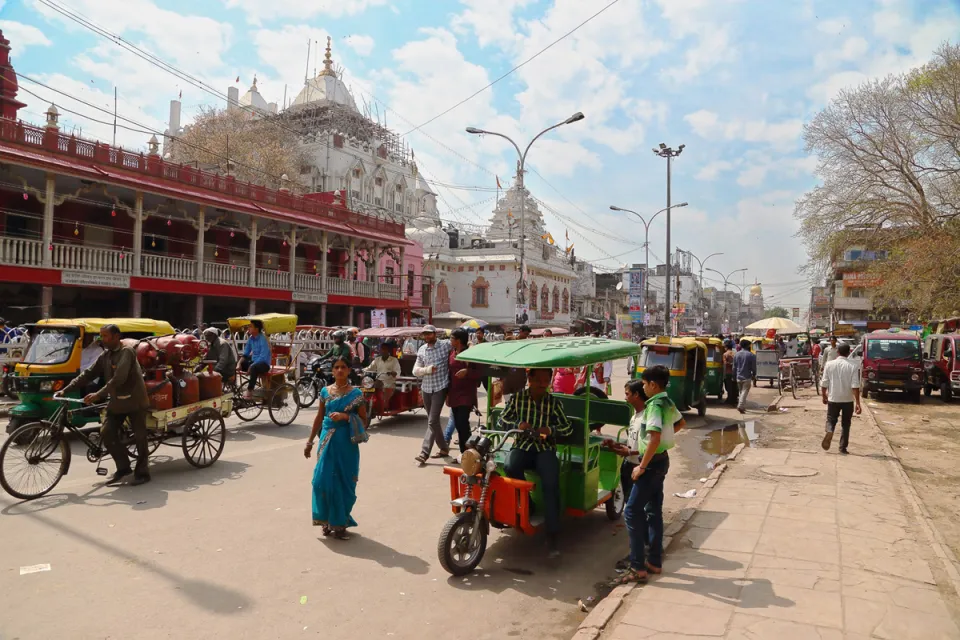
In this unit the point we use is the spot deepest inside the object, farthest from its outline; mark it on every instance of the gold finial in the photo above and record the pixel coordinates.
(327, 61)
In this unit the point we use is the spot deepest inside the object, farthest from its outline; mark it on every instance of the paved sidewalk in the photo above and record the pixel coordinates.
(837, 552)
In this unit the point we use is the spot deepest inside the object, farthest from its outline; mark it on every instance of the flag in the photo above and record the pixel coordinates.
(509, 213)
(181, 94)
(238, 79)
(568, 249)
(547, 237)
(498, 182)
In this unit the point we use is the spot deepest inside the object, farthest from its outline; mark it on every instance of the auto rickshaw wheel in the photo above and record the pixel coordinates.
(33, 460)
(616, 503)
(284, 405)
(15, 423)
(927, 390)
(203, 437)
(454, 550)
(702, 406)
(946, 394)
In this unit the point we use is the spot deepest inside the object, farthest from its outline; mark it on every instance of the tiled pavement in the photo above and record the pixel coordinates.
(836, 555)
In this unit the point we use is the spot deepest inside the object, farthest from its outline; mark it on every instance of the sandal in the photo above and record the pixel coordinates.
(653, 568)
(340, 533)
(630, 576)
(421, 460)
(441, 454)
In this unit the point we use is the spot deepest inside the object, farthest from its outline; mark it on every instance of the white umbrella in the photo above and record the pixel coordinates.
(782, 325)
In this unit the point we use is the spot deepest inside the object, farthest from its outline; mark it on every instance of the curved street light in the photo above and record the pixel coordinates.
(701, 263)
(646, 244)
(522, 155)
(726, 281)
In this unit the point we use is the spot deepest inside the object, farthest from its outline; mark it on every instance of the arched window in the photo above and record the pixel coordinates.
(544, 299)
(442, 304)
(556, 299)
(533, 296)
(481, 291)
(566, 301)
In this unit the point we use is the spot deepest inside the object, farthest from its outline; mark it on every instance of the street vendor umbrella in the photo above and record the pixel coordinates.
(781, 325)
(817, 332)
(473, 324)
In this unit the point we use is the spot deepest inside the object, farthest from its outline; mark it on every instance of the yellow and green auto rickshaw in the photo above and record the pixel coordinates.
(483, 496)
(55, 357)
(714, 379)
(686, 358)
(758, 343)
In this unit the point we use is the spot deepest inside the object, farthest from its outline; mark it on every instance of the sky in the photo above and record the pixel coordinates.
(732, 80)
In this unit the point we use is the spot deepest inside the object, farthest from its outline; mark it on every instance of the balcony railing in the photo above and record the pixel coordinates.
(846, 303)
(21, 252)
(101, 261)
(96, 153)
(168, 268)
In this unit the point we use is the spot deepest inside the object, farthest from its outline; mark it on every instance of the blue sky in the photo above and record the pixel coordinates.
(733, 80)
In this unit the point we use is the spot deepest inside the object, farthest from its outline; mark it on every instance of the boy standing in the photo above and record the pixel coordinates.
(643, 513)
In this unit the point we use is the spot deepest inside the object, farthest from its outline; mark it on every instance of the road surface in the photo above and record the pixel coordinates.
(229, 551)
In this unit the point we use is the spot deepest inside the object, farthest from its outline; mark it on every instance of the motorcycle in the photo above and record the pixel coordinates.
(317, 374)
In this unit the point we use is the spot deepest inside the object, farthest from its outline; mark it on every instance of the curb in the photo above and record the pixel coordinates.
(937, 542)
(600, 615)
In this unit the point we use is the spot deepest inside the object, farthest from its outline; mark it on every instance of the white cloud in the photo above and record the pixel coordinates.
(707, 24)
(832, 26)
(708, 125)
(257, 10)
(753, 176)
(712, 170)
(825, 91)
(490, 20)
(362, 44)
(22, 36)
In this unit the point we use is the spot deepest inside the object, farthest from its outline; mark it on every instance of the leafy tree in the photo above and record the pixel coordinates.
(259, 151)
(776, 312)
(889, 164)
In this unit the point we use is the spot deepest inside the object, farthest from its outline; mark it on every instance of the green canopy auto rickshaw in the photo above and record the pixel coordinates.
(714, 379)
(483, 496)
(686, 358)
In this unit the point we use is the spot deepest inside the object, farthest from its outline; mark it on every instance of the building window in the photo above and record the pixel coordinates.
(378, 202)
(398, 208)
(480, 268)
(566, 301)
(503, 267)
(356, 173)
(480, 288)
(399, 188)
(378, 181)
(459, 269)
(533, 296)
(388, 275)
(470, 268)
(338, 141)
(556, 299)
(544, 299)
(354, 194)
(410, 281)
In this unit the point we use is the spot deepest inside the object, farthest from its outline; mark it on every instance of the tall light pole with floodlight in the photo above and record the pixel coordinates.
(646, 245)
(669, 153)
(522, 159)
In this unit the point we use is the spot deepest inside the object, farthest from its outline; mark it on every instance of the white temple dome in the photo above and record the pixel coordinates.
(325, 87)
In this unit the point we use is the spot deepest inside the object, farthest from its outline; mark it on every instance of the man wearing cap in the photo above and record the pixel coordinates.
(220, 353)
(432, 366)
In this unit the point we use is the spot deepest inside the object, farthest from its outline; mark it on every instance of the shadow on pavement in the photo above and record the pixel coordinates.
(213, 597)
(387, 557)
(167, 475)
(249, 431)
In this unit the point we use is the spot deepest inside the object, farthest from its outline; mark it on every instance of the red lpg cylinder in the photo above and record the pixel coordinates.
(147, 355)
(168, 349)
(189, 388)
(160, 394)
(190, 346)
(211, 385)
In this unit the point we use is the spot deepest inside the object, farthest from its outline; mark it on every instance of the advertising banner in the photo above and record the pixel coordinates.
(378, 318)
(635, 295)
(796, 312)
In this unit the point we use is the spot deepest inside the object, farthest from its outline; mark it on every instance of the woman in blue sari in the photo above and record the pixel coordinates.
(342, 415)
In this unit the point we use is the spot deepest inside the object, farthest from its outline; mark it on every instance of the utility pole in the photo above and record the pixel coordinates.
(667, 152)
(606, 309)
(114, 115)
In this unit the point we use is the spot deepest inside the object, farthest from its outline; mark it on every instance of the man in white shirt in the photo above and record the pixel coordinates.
(840, 386)
(829, 354)
(793, 345)
(387, 368)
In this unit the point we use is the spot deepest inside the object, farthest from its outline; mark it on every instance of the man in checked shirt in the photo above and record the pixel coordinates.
(540, 418)
(432, 367)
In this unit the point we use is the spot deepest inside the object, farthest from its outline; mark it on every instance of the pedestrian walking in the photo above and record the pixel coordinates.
(840, 386)
(342, 415)
(464, 380)
(829, 354)
(745, 369)
(433, 367)
(729, 378)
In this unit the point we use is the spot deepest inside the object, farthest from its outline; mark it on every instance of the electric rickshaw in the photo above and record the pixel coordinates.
(406, 393)
(272, 391)
(482, 496)
(686, 359)
(714, 379)
(54, 359)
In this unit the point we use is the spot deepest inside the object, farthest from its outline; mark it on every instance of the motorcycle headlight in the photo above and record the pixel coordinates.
(872, 375)
(470, 462)
(914, 377)
(46, 385)
(367, 383)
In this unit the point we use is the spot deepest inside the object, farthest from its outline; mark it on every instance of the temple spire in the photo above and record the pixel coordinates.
(328, 62)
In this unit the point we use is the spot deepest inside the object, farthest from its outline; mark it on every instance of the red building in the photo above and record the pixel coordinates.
(87, 229)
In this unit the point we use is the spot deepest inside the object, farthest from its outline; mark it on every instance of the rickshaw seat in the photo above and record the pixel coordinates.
(406, 364)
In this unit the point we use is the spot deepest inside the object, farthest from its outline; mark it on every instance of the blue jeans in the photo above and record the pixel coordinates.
(547, 465)
(451, 427)
(643, 514)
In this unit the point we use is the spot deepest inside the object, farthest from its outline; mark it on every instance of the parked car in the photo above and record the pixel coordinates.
(942, 367)
(892, 361)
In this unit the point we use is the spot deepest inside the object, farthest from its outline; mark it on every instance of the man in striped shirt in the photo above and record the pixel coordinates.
(432, 367)
(540, 418)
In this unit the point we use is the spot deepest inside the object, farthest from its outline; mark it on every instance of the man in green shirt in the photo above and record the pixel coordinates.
(540, 418)
(646, 452)
(340, 349)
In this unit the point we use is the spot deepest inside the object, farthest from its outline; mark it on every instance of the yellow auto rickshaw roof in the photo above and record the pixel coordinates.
(126, 325)
(686, 343)
(272, 322)
(711, 340)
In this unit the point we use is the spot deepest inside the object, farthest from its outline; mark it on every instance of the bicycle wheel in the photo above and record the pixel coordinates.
(284, 405)
(126, 437)
(306, 391)
(33, 467)
(204, 437)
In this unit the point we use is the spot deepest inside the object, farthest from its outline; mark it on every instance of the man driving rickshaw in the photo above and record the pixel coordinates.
(540, 418)
(257, 356)
(387, 368)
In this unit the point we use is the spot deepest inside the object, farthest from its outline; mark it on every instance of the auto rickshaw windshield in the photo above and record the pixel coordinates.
(51, 345)
(672, 359)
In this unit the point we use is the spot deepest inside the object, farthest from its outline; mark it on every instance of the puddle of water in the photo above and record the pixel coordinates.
(721, 442)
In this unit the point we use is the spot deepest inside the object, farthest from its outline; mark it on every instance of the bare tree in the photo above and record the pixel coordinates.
(257, 150)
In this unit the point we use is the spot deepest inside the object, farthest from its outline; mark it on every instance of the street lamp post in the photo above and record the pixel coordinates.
(669, 153)
(646, 245)
(726, 281)
(522, 159)
(701, 263)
